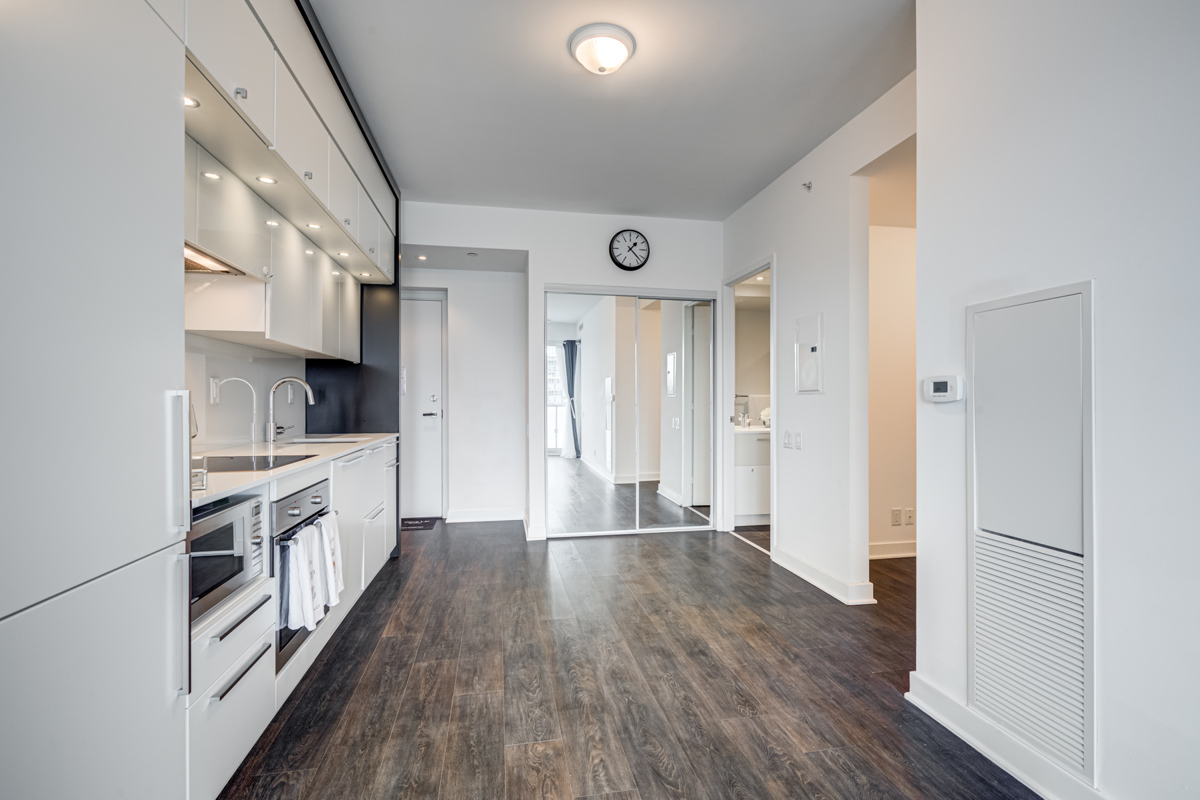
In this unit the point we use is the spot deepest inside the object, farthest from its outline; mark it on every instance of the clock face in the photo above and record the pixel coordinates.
(629, 250)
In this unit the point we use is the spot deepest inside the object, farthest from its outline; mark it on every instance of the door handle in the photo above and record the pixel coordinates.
(429, 414)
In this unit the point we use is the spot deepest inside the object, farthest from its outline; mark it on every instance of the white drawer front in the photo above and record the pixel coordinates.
(221, 641)
(227, 720)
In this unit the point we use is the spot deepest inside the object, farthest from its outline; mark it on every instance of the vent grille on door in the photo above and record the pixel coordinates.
(1030, 669)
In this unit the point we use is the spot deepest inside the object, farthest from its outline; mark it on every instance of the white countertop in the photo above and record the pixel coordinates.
(223, 484)
(752, 429)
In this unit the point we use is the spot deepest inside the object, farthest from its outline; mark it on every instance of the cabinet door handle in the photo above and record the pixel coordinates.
(308, 176)
(242, 93)
(180, 441)
(352, 461)
(185, 624)
(219, 697)
(242, 619)
(390, 464)
(373, 517)
(377, 449)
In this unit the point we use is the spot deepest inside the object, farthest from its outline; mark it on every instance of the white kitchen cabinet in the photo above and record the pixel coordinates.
(387, 250)
(351, 500)
(369, 225)
(107, 77)
(232, 219)
(293, 313)
(299, 135)
(172, 13)
(331, 305)
(228, 41)
(391, 514)
(350, 347)
(191, 189)
(374, 543)
(343, 191)
(229, 716)
(90, 700)
(219, 642)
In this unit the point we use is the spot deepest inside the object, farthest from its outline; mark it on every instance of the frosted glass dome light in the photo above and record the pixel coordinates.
(602, 48)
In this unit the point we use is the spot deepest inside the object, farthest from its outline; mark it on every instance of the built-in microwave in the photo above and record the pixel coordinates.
(225, 549)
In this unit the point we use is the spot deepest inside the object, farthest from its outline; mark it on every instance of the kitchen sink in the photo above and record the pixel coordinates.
(244, 463)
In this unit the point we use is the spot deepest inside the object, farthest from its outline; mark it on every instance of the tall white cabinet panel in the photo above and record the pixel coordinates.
(90, 697)
(331, 305)
(350, 320)
(343, 191)
(226, 38)
(191, 174)
(113, 316)
(299, 135)
(232, 219)
(293, 310)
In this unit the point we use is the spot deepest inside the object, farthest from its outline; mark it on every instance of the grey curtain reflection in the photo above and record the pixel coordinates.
(570, 358)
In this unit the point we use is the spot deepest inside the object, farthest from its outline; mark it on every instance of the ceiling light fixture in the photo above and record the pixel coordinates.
(365, 274)
(212, 176)
(313, 225)
(190, 102)
(420, 258)
(759, 278)
(266, 179)
(308, 252)
(272, 223)
(343, 255)
(601, 47)
(335, 272)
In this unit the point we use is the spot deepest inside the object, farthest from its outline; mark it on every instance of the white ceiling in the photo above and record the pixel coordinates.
(570, 307)
(480, 103)
(485, 259)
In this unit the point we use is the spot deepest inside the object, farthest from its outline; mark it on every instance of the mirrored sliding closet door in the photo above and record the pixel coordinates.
(629, 414)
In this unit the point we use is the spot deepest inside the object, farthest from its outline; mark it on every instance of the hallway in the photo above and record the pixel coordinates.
(582, 502)
(673, 665)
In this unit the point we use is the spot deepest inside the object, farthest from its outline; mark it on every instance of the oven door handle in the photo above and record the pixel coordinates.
(243, 618)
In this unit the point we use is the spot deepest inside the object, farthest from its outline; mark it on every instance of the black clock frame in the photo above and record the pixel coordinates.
(614, 258)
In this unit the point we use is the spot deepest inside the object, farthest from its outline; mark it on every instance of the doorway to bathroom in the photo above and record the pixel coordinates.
(423, 386)
(629, 413)
(753, 386)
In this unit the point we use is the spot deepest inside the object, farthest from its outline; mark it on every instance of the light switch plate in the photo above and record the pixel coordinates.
(787, 439)
(895, 516)
(799, 440)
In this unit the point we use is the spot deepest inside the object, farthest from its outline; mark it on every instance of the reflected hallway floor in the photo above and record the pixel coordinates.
(580, 501)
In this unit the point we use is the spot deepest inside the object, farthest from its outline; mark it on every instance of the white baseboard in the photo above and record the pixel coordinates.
(852, 594)
(670, 494)
(893, 550)
(533, 532)
(1026, 765)
(485, 514)
(752, 519)
(596, 468)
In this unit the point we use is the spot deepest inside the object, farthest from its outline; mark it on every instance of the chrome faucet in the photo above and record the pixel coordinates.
(272, 431)
(253, 405)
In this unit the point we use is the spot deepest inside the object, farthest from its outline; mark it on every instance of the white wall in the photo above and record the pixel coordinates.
(485, 406)
(752, 372)
(818, 240)
(597, 361)
(569, 249)
(670, 452)
(893, 387)
(229, 422)
(1057, 144)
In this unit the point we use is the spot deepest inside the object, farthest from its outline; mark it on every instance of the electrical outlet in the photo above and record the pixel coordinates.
(910, 516)
(799, 440)
(214, 391)
(787, 439)
(895, 516)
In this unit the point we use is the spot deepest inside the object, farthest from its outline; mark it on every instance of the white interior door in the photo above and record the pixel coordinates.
(421, 416)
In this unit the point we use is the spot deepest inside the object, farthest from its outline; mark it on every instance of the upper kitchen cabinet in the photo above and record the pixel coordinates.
(172, 13)
(191, 189)
(351, 320)
(230, 44)
(293, 299)
(232, 221)
(343, 191)
(300, 138)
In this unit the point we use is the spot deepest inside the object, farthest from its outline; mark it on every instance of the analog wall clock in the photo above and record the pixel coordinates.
(629, 250)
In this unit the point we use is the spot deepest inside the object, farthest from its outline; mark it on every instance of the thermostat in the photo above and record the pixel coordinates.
(945, 388)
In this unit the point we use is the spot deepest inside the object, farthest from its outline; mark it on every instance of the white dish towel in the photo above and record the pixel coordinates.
(306, 585)
(331, 550)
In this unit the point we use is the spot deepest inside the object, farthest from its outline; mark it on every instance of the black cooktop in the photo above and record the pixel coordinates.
(244, 463)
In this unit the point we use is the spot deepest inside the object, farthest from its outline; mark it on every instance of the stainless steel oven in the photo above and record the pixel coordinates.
(226, 550)
(288, 516)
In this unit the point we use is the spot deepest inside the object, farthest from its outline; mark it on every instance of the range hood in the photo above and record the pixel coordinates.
(196, 260)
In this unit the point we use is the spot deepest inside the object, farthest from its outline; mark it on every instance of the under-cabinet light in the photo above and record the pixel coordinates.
(212, 176)
(265, 179)
(190, 102)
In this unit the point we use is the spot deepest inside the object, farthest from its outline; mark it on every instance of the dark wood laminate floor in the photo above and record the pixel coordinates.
(580, 501)
(756, 534)
(671, 665)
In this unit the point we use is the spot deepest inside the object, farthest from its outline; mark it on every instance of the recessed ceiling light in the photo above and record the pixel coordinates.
(365, 274)
(759, 278)
(190, 102)
(343, 254)
(313, 225)
(335, 272)
(272, 223)
(212, 176)
(265, 179)
(308, 252)
(602, 48)
(420, 258)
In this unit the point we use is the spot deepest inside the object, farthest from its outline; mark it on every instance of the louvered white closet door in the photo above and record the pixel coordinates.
(1029, 412)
